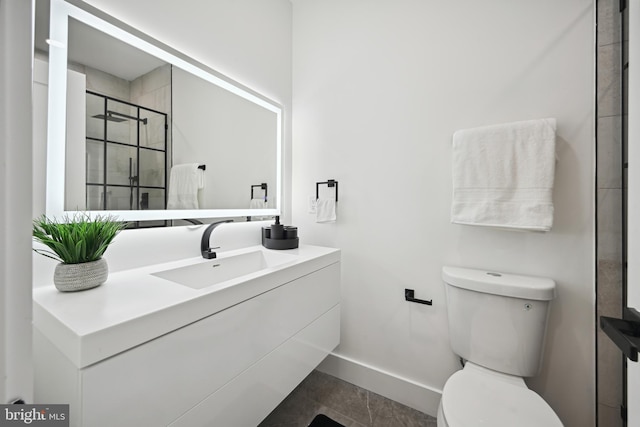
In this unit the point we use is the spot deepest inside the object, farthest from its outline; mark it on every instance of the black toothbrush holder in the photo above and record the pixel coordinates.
(278, 236)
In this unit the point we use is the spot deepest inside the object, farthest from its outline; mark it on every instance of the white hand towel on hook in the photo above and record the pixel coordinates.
(503, 175)
(325, 210)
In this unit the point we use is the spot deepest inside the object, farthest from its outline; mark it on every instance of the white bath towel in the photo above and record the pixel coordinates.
(503, 175)
(185, 181)
(326, 210)
(257, 203)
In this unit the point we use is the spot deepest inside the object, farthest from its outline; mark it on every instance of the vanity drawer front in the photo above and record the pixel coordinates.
(155, 383)
(252, 395)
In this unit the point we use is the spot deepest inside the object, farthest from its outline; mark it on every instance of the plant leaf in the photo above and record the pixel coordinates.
(78, 239)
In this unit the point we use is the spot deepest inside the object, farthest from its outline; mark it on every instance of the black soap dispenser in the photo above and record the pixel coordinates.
(277, 236)
(277, 229)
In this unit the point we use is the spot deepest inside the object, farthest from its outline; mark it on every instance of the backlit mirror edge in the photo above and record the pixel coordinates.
(61, 11)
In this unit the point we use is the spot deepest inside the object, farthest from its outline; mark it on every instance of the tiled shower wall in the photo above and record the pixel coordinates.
(609, 207)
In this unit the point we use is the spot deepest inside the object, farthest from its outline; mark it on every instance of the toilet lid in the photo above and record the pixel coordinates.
(478, 399)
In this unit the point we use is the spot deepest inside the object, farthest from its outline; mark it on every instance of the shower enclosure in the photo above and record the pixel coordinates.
(126, 155)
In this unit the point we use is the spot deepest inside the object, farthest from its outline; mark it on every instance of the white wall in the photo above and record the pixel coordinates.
(379, 87)
(16, 57)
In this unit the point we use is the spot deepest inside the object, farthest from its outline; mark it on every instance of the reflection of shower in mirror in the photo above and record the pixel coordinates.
(126, 146)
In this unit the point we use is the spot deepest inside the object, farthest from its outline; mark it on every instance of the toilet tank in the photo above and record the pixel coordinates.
(498, 320)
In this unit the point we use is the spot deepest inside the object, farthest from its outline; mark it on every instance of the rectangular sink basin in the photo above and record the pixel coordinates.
(204, 274)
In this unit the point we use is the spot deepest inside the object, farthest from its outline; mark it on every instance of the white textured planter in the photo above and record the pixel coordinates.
(78, 277)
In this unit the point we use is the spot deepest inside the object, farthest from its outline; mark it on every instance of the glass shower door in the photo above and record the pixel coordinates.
(126, 155)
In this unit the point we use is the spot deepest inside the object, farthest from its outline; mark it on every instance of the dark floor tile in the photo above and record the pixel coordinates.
(342, 419)
(340, 396)
(394, 414)
(345, 403)
(295, 411)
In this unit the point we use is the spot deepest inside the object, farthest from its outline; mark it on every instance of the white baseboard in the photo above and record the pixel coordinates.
(408, 392)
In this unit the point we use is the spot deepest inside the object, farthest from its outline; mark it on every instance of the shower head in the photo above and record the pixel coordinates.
(114, 116)
(109, 117)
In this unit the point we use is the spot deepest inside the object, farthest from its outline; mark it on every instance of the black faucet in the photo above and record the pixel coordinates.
(205, 249)
(192, 221)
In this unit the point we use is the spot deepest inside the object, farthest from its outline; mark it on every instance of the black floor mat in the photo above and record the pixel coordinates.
(323, 421)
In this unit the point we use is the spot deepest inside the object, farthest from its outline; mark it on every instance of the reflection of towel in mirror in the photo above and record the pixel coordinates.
(185, 181)
(257, 204)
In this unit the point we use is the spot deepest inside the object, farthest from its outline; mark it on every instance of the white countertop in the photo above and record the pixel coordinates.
(133, 306)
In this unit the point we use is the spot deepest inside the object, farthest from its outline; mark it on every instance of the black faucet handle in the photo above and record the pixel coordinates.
(209, 253)
(205, 250)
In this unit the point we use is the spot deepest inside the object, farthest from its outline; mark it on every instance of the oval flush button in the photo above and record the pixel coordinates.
(494, 274)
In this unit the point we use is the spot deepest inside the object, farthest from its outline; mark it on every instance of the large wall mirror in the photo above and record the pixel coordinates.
(148, 134)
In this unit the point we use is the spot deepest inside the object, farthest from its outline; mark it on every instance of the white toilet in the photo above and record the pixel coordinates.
(497, 323)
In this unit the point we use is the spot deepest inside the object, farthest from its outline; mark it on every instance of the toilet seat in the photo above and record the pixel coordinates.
(477, 396)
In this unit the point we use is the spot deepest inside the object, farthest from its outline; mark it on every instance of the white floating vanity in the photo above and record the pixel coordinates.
(189, 343)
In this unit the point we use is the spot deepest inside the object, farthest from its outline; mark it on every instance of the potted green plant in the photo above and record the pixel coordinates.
(77, 243)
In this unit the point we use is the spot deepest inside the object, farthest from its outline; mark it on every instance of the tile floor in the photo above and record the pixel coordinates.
(346, 403)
